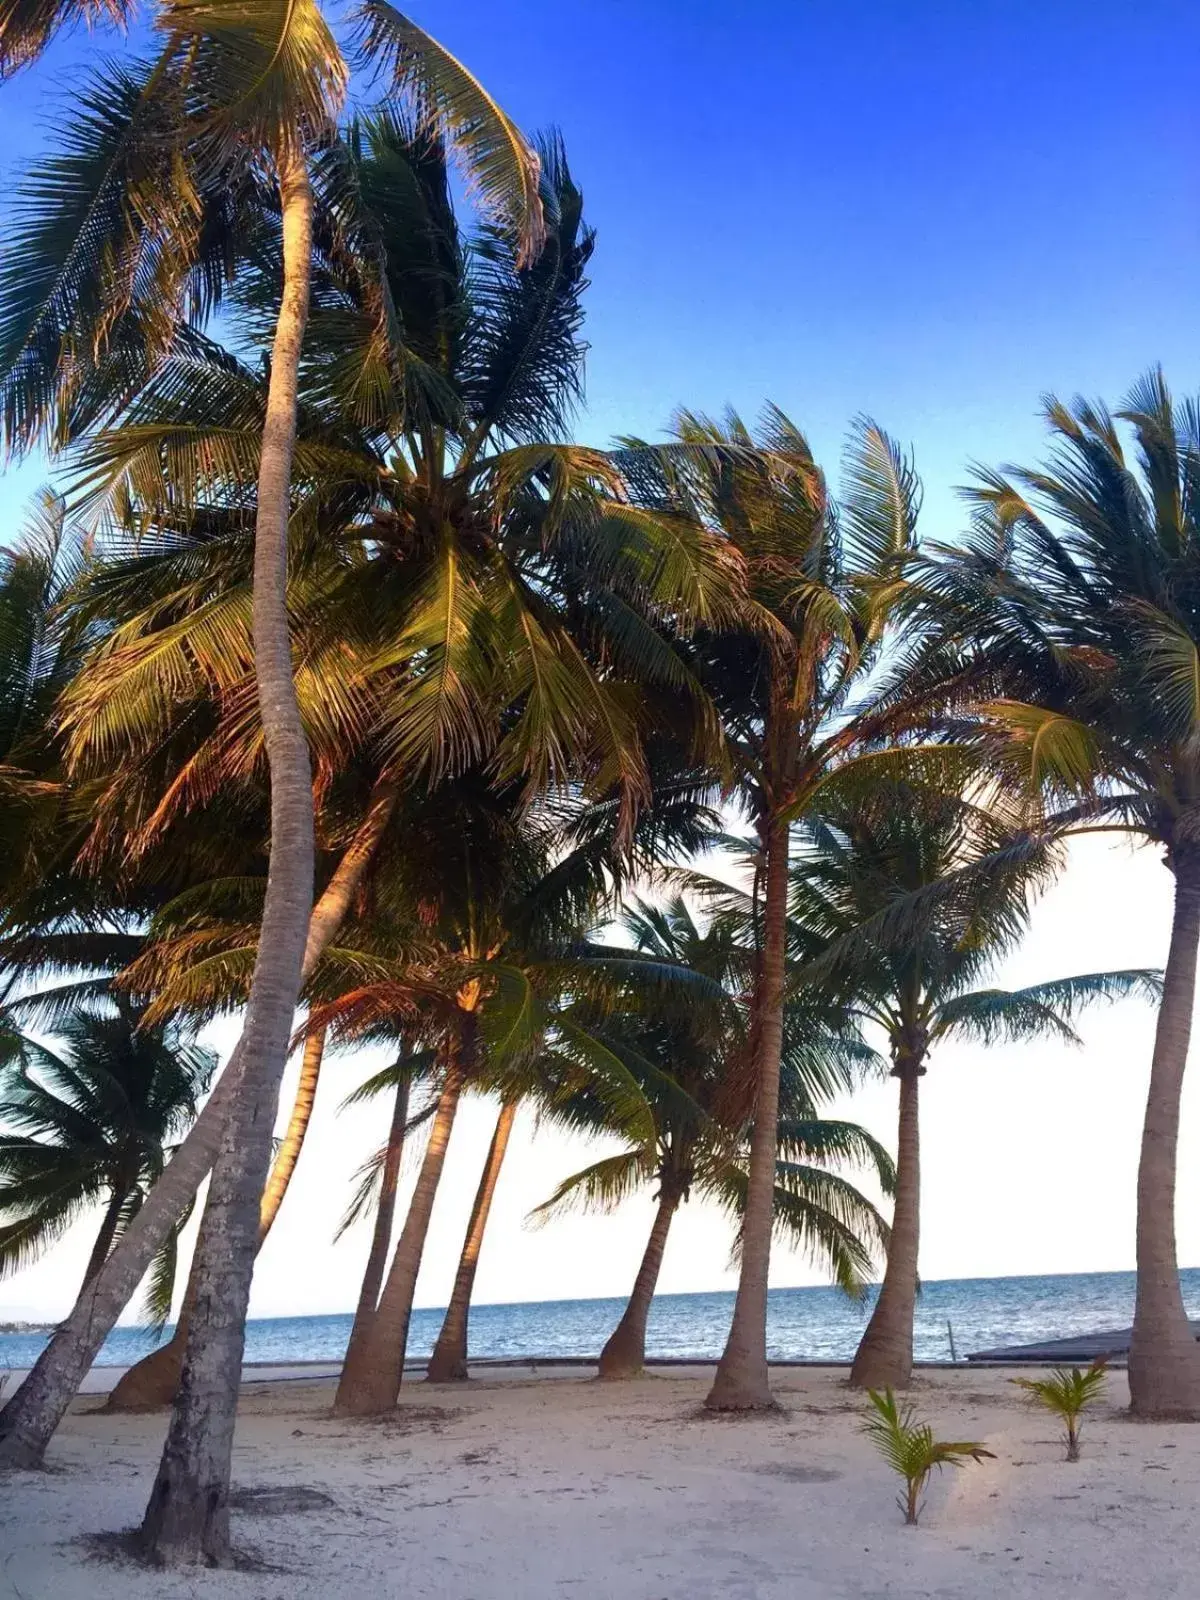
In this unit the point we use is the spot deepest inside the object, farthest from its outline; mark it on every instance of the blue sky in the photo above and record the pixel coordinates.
(932, 212)
(929, 212)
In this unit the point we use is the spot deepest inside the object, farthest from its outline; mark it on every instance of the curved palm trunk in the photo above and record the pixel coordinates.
(28, 1421)
(154, 1380)
(884, 1356)
(448, 1363)
(187, 1518)
(742, 1382)
(381, 1237)
(104, 1239)
(369, 1386)
(1164, 1358)
(624, 1354)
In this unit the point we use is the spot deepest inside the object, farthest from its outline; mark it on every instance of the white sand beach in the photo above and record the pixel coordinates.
(520, 1488)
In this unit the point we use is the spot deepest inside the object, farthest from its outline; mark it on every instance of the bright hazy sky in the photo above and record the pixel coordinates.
(929, 212)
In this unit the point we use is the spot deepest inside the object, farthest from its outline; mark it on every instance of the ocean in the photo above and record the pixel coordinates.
(803, 1324)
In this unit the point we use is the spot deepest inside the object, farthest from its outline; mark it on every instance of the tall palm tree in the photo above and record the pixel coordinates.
(1080, 585)
(679, 1018)
(262, 85)
(91, 1120)
(820, 583)
(939, 884)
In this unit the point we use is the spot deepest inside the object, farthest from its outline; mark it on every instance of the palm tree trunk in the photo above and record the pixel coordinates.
(104, 1239)
(742, 1382)
(154, 1380)
(448, 1363)
(1164, 1358)
(28, 1421)
(187, 1518)
(369, 1386)
(885, 1353)
(624, 1355)
(292, 1142)
(381, 1238)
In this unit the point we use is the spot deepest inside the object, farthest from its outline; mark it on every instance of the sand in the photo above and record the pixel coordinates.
(521, 1488)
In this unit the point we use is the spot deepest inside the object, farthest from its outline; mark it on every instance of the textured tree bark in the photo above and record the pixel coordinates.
(368, 1387)
(28, 1421)
(884, 1356)
(742, 1382)
(448, 1363)
(153, 1381)
(1164, 1358)
(624, 1354)
(187, 1518)
(381, 1237)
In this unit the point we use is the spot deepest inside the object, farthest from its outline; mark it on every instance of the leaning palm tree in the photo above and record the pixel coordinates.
(255, 90)
(677, 1016)
(1081, 586)
(916, 896)
(820, 585)
(89, 1120)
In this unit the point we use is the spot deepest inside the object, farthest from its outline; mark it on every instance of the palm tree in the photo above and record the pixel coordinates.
(500, 890)
(1080, 586)
(448, 1360)
(261, 85)
(820, 584)
(679, 1018)
(916, 896)
(91, 1120)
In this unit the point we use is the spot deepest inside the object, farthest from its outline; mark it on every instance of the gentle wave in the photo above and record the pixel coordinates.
(803, 1324)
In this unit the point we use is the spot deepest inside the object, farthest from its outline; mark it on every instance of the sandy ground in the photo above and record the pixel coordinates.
(523, 1489)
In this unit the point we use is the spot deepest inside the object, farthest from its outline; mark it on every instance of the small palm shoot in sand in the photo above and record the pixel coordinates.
(909, 1448)
(1067, 1393)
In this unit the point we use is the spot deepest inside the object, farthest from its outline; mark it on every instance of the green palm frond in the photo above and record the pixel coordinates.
(500, 167)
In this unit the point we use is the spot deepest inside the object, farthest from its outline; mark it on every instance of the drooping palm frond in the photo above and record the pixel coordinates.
(498, 164)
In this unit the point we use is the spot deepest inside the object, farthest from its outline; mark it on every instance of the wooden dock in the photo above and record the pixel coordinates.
(1110, 1342)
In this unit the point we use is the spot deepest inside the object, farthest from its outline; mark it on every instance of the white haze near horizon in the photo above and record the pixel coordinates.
(1029, 1153)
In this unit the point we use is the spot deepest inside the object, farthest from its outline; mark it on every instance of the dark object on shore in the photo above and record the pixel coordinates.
(1109, 1344)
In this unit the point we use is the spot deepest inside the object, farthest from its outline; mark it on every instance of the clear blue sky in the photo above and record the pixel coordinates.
(929, 211)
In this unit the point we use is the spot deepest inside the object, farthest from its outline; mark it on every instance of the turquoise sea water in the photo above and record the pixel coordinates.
(804, 1324)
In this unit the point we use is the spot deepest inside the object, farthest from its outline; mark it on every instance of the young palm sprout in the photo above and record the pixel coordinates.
(910, 1449)
(1067, 1393)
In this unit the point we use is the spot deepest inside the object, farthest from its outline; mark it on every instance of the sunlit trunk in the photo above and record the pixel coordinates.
(152, 1382)
(370, 1383)
(381, 1237)
(741, 1382)
(885, 1353)
(187, 1518)
(448, 1363)
(1164, 1358)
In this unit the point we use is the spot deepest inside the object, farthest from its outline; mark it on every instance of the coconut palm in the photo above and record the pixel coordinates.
(1080, 586)
(501, 891)
(255, 89)
(90, 1120)
(679, 1018)
(917, 896)
(820, 582)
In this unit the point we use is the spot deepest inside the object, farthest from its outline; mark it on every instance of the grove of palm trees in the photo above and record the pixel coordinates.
(665, 795)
